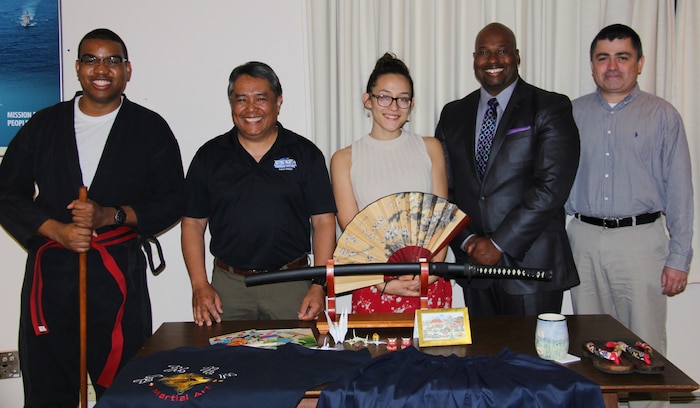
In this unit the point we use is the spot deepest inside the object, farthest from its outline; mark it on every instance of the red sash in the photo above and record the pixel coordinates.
(100, 243)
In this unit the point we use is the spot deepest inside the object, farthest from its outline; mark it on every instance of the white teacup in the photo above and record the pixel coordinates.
(551, 336)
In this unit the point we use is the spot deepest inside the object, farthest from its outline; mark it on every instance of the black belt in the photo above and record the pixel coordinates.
(620, 222)
(300, 262)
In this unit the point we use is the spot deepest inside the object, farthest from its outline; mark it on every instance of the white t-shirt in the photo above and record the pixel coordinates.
(91, 134)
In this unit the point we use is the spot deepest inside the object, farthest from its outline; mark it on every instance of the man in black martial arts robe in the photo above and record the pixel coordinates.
(131, 161)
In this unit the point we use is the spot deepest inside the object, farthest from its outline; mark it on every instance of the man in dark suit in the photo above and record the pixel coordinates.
(512, 151)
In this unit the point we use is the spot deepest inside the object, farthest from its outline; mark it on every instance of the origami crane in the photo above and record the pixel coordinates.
(338, 330)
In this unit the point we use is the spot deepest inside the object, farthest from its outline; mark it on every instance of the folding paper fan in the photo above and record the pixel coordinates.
(401, 227)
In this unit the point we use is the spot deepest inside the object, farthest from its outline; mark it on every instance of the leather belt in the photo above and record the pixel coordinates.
(300, 262)
(620, 222)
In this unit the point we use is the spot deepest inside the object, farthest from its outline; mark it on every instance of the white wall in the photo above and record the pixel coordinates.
(182, 54)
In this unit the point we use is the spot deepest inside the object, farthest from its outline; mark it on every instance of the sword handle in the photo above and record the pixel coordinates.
(508, 272)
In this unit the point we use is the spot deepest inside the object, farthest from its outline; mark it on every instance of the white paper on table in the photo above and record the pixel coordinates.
(569, 358)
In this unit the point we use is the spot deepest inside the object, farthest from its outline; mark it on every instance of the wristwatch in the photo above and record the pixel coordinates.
(119, 216)
(320, 281)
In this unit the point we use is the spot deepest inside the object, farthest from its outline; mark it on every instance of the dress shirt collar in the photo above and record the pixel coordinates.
(620, 105)
(503, 97)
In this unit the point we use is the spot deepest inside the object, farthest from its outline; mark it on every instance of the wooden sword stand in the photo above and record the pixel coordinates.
(373, 320)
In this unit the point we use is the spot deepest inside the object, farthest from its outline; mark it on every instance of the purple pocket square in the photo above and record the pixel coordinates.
(516, 130)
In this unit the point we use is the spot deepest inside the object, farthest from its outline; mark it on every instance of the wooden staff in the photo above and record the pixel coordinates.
(82, 197)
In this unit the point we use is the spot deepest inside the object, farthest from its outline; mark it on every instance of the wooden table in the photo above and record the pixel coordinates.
(489, 336)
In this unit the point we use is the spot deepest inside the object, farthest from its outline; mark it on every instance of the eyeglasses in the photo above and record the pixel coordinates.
(88, 59)
(386, 100)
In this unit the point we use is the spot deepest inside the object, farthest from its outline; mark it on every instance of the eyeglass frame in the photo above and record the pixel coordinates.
(400, 98)
(106, 61)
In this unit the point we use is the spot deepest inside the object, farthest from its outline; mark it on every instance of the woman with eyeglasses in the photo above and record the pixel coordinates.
(390, 160)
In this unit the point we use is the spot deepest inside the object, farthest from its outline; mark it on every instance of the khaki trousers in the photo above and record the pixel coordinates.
(620, 271)
(275, 301)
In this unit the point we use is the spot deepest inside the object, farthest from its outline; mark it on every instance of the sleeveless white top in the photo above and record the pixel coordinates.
(383, 167)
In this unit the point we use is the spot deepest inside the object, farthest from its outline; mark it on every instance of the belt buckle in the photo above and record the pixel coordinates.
(611, 222)
(257, 271)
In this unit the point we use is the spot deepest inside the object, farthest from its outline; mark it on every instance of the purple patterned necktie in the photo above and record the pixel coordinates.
(488, 129)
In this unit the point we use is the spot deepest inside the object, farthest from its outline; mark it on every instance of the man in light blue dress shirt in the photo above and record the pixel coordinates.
(632, 191)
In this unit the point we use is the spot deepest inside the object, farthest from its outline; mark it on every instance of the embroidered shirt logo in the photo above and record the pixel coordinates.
(179, 384)
(184, 382)
(285, 164)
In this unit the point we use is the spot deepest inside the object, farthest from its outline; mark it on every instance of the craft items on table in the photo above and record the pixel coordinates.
(338, 329)
(619, 357)
(356, 340)
(640, 355)
(267, 338)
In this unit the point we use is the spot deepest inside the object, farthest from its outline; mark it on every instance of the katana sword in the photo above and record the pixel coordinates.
(447, 270)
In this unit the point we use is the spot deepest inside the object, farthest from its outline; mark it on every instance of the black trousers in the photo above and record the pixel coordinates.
(50, 362)
(494, 301)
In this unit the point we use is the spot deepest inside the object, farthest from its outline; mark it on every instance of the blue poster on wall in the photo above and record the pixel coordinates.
(30, 62)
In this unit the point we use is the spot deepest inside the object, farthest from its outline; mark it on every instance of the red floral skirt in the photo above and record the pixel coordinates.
(371, 300)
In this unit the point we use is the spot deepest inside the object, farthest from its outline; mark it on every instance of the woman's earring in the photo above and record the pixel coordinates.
(368, 114)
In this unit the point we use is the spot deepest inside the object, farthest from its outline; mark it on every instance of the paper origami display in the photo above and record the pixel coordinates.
(339, 329)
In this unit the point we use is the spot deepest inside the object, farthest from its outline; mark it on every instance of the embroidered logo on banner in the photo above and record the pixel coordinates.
(285, 164)
(177, 383)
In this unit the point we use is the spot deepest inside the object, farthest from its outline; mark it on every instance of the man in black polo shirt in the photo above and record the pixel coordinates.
(256, 186)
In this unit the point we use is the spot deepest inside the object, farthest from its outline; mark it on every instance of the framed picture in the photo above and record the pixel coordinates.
(443, 327)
